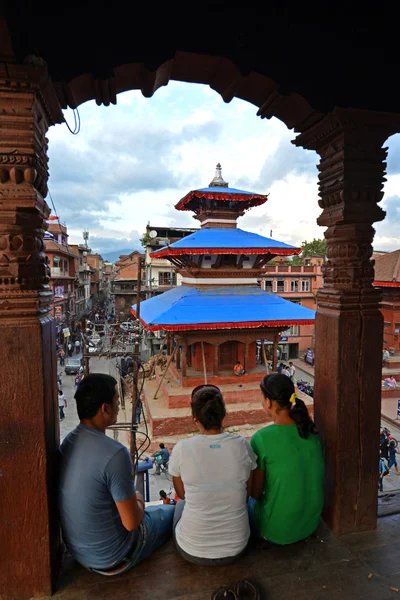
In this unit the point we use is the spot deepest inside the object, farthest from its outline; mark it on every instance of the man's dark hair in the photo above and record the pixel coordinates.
(93, 391)
(162, 446)
(163, 494)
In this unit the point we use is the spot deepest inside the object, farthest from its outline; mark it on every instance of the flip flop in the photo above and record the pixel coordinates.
(224, 593)
(245, 590)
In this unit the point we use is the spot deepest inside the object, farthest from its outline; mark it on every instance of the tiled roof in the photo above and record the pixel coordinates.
(53, 246)
(387, 267)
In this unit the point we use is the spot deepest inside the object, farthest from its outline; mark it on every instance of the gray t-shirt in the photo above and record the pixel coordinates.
(95, 473)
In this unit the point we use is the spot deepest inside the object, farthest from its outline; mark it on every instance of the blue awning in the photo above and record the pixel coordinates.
(233, 241)
(190, 308)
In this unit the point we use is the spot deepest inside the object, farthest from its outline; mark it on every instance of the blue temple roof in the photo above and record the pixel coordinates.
(224, 190)
(234, 239)
(226, 307)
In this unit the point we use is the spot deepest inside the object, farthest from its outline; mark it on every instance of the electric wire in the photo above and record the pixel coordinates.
(77, 122)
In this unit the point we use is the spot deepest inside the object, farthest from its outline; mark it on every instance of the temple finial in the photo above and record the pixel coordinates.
(218, 180)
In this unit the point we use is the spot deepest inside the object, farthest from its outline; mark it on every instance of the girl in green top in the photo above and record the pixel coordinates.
(287, 487)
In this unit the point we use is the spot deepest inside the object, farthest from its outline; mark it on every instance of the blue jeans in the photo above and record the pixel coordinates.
(155, 530)
(254, 531)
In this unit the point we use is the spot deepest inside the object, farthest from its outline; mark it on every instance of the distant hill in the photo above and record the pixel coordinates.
(113, 256)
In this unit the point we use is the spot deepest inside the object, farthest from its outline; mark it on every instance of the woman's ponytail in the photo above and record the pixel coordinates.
(281, 389)
(300, 416)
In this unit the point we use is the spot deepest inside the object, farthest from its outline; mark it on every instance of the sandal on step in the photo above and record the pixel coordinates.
(245, 590)
(224, 593)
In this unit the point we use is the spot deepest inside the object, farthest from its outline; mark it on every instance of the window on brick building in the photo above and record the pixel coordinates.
(293, 330)
(269, 285)
(305, 285)
(280, 285)
(294, 285)
(166, 278)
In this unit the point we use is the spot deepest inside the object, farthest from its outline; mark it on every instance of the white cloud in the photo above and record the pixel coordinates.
(133, 162)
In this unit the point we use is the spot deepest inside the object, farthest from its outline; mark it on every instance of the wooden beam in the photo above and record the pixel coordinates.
(216, 362)
(264, 355)
(204, 362)
(165, 372)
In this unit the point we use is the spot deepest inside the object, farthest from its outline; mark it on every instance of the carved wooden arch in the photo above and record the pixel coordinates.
(217, 72)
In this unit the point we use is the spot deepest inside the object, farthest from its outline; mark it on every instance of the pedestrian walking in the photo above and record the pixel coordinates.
(383, 471)
(77, 347)
(392, 456)
(70, 349)
(62, 403)
(62, 357)
(78, 378)
(292, 370)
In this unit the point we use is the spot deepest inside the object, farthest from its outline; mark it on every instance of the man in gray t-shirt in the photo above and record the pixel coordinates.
(102, 516)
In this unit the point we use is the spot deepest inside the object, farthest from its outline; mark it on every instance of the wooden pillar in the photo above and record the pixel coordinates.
(216, 360)
(178, 354)
(275, 353)
(29, 419)
(348, 341)
(184, 357)
(246, 356)
(169, 344)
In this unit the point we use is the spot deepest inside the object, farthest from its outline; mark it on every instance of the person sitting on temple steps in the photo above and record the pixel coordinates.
(238, 369)
(211, 474)
(287, 488)
(104, 523)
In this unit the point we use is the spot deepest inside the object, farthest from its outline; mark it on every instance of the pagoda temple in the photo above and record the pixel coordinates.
(218, 314)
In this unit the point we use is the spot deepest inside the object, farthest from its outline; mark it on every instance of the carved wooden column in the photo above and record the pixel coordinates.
(184, 357)
(348, 341)
(178, 354)
(29, 421)
(216, 360)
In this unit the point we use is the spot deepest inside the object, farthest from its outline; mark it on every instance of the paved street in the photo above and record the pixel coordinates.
(97, 365)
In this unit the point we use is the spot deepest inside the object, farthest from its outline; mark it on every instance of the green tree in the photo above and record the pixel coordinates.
(145, 240)
(317, 247)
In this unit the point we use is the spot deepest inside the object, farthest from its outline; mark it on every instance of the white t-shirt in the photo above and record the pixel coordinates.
(292, 370)
(61, 400)
(214, 470)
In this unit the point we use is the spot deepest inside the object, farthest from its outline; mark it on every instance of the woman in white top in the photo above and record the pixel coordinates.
(212, 473)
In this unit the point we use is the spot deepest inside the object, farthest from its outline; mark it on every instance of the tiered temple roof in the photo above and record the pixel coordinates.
(220, 291)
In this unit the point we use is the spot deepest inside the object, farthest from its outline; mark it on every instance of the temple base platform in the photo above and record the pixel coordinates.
(169, 413)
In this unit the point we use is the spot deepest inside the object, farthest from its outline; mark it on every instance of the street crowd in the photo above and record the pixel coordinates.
(388, 456)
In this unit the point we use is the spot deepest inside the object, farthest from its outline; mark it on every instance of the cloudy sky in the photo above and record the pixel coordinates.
(131, 164)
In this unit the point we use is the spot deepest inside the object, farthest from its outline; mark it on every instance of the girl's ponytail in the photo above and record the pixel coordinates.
(300, 416)
(281, 389)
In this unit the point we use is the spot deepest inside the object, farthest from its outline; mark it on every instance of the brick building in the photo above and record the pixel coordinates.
(299, 284)
(387, 277)
(62, 273)
(82, 280)
(124, 285)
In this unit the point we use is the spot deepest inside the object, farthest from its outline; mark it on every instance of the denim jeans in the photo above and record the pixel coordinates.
(155, 530)
(61, 409)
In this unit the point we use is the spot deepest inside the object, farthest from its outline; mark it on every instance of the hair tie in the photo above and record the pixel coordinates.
(292, 398)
